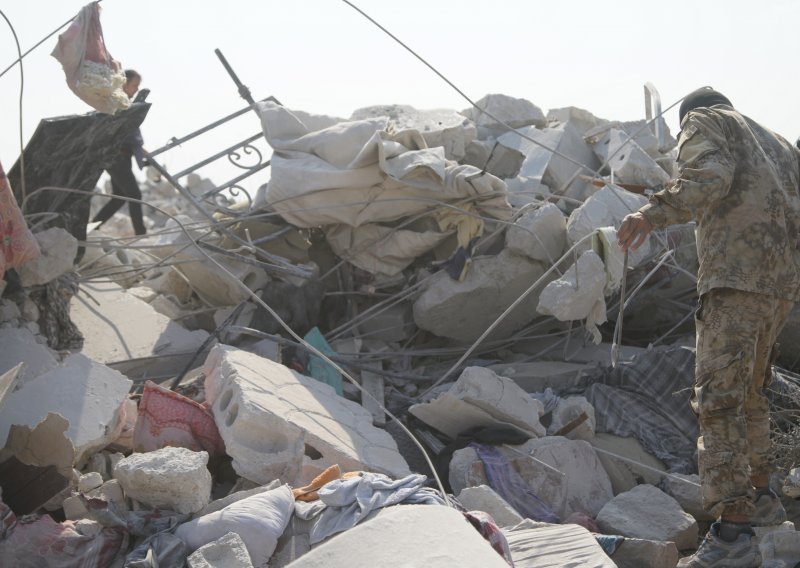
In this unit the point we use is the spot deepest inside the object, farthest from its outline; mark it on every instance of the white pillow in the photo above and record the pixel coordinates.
(259, 520)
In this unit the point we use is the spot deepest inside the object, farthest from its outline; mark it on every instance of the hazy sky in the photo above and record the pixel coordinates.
(321, 56)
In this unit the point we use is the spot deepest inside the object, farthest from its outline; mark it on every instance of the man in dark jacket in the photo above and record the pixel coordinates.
(741, 183)
(123, 182)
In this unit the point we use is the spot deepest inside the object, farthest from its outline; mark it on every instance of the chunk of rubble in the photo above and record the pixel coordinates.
(279, 424)
(632, 552)
(20, 346)
(482, 398)
(581, 119)
(578, 482)
(117, 326)
(629, 162)
(58, 254)
(515, 112)
(633, 466)
(228, 551)
(540, 234)
(543, 545)
(791, 485)
(780, 548)
(578, 294)
(493, 157)
(463, 310)
(555, 171)
(648, 513)
(605, 208)
(567, 412)
(484, 498)
(405, 531)
(439, 127)
(87, 394)
(526, 190)
(171, 478)
(685, 489)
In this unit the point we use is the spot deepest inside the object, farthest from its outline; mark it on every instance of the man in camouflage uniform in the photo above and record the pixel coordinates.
(740, 183)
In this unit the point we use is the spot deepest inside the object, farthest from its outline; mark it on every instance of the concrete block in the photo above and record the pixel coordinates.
(581, 119)
(554, 170)
(88, 395)
(463, 310)
(87, 527)
(439, 127)
(58, 253)
(635, 553)
(144, 293)
(540, 234)
(514, 112)
(484, 498)
(584, 486)
(780, 546)
(226, 552)
(278, 424)
(482, 398)
(625, 474)
(171, 478)
(110, 492)
(20, 346)
(266, 348)
(543, 545)
(9, 311)
(523, 191)
(89, 481)
(29, 310)
(685, 489)
(629, 162)
(74, 508)
(123, 327)
(405, 532)
(578, 294)
(605, 208)
(493, 157)
(569, 409)
(648, 513)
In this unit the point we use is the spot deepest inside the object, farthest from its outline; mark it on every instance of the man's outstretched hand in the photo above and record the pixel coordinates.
(633, 231)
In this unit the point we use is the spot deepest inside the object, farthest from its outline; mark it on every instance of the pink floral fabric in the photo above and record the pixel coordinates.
(17, 243)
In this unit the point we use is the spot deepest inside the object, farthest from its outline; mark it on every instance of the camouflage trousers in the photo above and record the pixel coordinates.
(736, 333)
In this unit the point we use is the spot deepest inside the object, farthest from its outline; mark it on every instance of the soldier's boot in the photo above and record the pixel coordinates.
(714, 552)
(769, 510)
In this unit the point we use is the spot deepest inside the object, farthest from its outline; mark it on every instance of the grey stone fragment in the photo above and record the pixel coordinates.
(635, 553)
(226, 552)
(484, 498)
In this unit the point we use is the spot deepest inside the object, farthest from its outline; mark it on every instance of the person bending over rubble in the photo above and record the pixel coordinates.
(123, 182)
(740, 183)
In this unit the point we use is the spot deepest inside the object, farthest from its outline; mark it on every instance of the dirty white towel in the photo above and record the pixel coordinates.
(344, 503)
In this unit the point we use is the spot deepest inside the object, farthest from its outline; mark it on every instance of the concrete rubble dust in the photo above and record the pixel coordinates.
(154, 413)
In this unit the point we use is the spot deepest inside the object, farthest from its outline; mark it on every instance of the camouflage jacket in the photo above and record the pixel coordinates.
(741, 184)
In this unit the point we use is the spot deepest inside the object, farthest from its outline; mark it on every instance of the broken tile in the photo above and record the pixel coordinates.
(405, 531)
(89, 395)
(482, 398)
(228, 552)
(279, 424)
(58, 253)
(175, 479)
(648, 513)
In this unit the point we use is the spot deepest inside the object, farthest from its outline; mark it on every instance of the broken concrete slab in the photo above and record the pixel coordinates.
(605, 208)
(539, 234)
(514, 112)
(20, 346)
(87, 394)
(625, 474)
(648, 513)
(404, 531)
(685, 489)
(228, 552)
(629, 162)
(632, 552)
(171, 478)
(482, 398)
(484, 498)
(493, 157)
(120, 327)
(544, 545)
(581, 486)
(555, 171)
(58, 249)
(449, 308)
(524, 191)
(439, 127)
(279, 424)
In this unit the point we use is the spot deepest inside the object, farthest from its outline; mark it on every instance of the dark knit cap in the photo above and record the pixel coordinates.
(702, 97)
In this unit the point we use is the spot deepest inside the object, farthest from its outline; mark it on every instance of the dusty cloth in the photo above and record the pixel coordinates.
(485, 525)
(736, 332)
(739, 181)
(311, 491)
(505, 480)
(53, 299)
(17, 243)
(346, 502)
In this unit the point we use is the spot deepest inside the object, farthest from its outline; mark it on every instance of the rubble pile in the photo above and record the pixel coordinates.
(158, 407)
